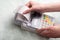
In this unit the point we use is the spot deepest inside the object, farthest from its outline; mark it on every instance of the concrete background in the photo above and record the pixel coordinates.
(9, 31)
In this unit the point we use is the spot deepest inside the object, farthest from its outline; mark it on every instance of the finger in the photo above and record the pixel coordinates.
(47, 32)
(29, 4)
(40, 30)
(28, 10)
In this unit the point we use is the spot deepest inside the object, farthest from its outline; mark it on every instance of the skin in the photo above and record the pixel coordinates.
(52, 31)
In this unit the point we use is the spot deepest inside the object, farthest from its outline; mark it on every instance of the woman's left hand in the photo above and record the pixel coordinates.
(50, 32)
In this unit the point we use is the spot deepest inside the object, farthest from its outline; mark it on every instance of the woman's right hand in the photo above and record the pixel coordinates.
(34, 6)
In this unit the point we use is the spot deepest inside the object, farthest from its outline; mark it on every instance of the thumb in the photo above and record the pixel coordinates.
(28, 10)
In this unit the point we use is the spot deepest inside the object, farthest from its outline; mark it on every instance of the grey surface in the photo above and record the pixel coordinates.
(9, 31)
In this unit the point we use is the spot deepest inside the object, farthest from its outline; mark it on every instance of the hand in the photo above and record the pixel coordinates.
(34, 6)
(50, 32)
